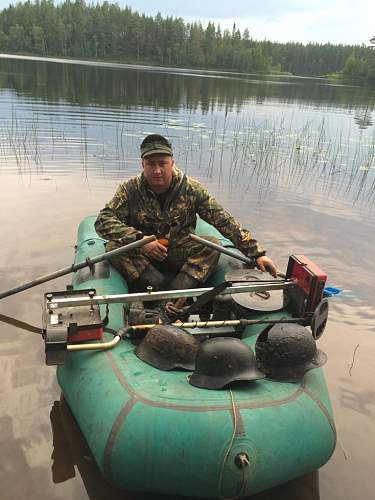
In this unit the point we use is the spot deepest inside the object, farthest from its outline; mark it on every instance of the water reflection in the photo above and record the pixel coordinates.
(280, 135)
(287, 159)
(15, 465)
(114, 86)
(362, 401)
(363, 118)
(238, 152)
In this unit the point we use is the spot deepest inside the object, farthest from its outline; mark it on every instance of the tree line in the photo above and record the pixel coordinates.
(107, 31)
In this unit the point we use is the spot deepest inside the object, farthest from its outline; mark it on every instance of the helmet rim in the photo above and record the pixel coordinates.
(213, 382)
(294, 373)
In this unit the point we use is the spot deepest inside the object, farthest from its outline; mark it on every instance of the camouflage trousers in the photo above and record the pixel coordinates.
(190, 257)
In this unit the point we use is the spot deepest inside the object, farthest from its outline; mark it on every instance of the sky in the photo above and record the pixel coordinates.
(336, 21)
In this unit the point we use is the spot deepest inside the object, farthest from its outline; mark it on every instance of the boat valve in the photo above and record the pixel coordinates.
(242, 460)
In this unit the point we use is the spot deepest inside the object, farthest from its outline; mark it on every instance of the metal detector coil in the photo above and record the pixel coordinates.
(69, 324)
(258, 301)
(319, 319)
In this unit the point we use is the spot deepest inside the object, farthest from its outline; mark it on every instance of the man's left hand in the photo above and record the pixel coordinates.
(266, 264)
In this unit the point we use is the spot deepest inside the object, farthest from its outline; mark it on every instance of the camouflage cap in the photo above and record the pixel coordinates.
(155, 144)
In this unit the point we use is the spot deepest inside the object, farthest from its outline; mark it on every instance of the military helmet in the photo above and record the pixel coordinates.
(286, 351)
(223, 360)
(167, 347)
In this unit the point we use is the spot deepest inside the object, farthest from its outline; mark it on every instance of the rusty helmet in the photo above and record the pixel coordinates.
(167, 347)
(286, 351)
(223, 360)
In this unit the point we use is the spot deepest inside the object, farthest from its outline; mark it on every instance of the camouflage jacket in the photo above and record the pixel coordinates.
(135, 210)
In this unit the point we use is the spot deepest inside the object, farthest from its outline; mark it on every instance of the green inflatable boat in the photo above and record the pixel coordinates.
(150, 430)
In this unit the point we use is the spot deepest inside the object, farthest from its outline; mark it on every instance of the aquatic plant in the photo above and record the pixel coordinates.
(238, 152)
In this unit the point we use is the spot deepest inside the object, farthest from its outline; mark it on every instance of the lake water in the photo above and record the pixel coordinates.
(293, 159)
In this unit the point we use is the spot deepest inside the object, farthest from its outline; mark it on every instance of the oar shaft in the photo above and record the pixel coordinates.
(222, 249)
(76, 267)
(235, 255)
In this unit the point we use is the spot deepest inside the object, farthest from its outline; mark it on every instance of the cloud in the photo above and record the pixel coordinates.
(218, 8)
(335, 21)
(321, 21)
(332, 21)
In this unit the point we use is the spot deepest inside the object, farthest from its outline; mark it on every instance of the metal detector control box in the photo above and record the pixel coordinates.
(302, 300)
(69, 325)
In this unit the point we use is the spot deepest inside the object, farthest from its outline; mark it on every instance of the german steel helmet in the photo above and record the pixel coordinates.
(167, 347)
(286, 351)
(223, 360)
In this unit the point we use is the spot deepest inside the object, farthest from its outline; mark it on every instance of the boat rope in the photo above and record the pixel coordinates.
(243, 482)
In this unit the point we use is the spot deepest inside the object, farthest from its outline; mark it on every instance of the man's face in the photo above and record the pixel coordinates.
(158, 171)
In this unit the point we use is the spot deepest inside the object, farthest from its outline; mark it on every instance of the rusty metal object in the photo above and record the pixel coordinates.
(287, 351)
(139, 315)
(167, 347)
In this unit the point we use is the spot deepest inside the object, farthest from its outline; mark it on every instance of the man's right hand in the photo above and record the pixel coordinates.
(264, 263)
(155, 250)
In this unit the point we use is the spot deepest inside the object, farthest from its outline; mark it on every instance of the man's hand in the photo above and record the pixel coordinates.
(155, 250)
(264, 263)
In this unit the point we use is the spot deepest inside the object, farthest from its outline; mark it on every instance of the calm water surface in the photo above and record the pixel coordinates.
(293, 159)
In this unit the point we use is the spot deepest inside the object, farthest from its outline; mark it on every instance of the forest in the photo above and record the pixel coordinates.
(108, 32)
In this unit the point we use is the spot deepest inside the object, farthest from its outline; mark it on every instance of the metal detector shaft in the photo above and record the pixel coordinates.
(76, 267)
(55, 303)
(225, 322)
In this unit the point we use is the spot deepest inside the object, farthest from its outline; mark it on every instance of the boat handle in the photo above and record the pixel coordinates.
(101, 346)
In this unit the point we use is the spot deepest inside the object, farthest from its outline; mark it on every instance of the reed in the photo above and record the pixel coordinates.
(240, 152)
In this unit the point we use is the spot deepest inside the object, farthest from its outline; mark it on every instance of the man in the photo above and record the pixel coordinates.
(164, 202)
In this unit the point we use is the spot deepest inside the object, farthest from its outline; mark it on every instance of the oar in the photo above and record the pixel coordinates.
(329, 291)
(75, 267)
(219, 248)
(20, 324)
(250, 261)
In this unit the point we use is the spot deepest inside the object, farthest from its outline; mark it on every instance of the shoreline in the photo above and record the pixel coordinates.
(148, 67)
